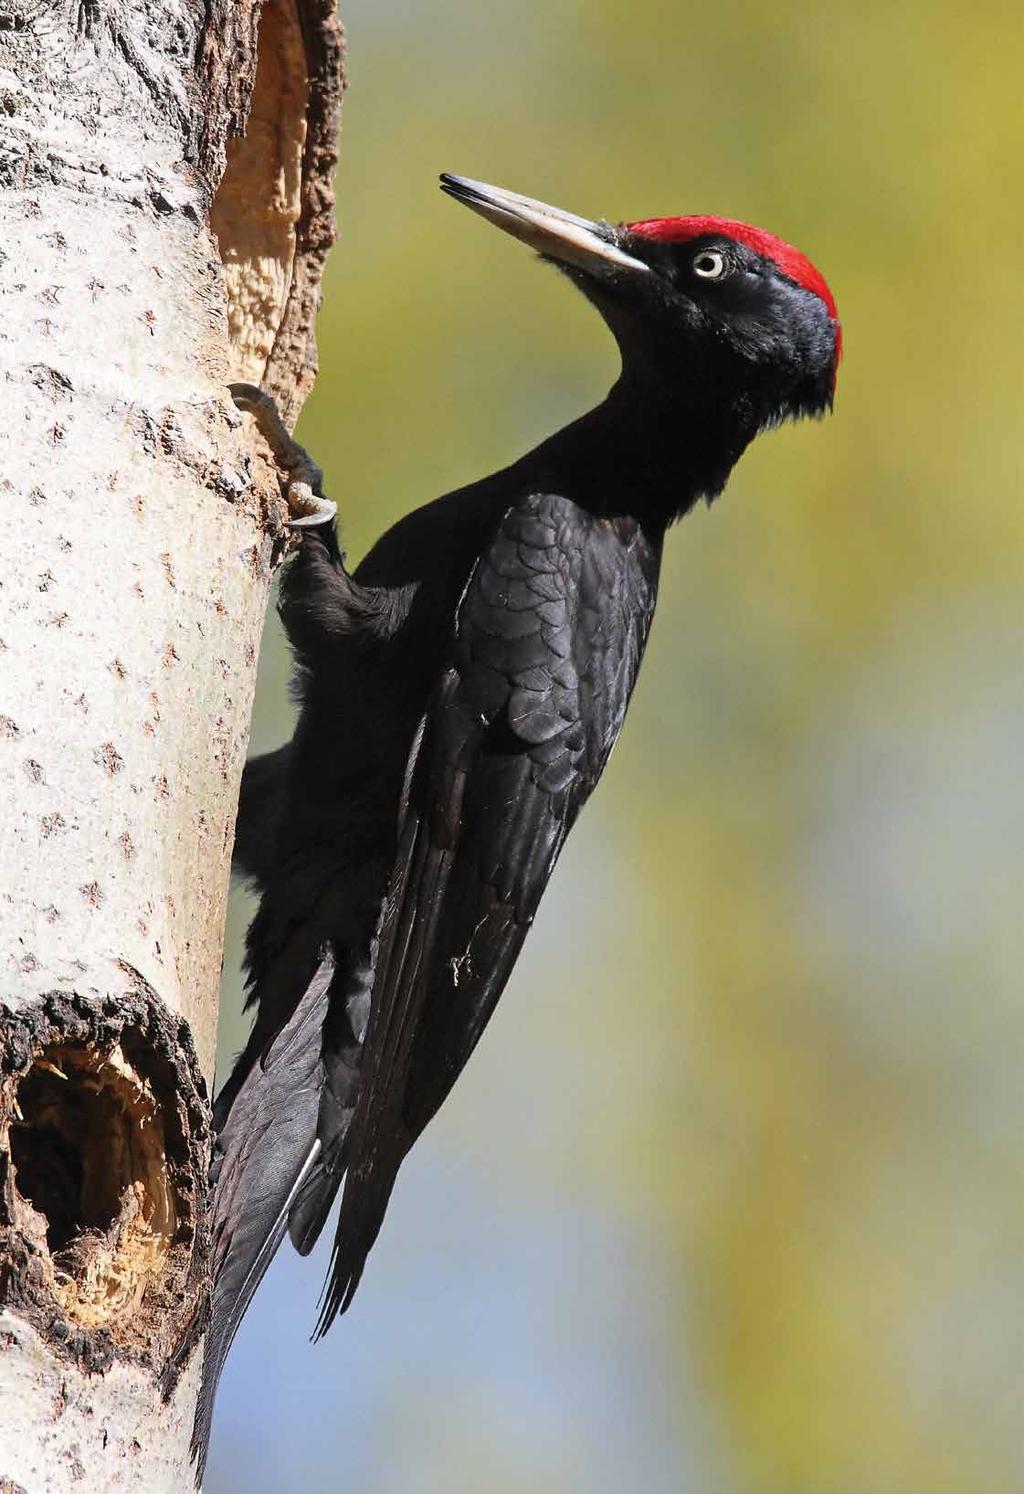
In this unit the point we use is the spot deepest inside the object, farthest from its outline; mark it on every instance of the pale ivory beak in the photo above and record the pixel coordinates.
(553, 233)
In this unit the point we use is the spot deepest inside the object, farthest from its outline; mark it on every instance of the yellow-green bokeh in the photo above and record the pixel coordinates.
(811, 1030)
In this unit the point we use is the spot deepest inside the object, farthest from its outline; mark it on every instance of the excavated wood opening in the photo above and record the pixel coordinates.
(273, 212)
(104, 1155)
(259, 202)
(87, 1144)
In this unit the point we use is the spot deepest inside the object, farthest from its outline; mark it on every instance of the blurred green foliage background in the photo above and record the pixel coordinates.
(746, 1137)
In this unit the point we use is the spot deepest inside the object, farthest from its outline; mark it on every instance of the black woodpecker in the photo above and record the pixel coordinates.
(460, 693)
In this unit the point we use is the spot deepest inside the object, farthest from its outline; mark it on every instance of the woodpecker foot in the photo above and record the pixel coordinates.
(306, 502)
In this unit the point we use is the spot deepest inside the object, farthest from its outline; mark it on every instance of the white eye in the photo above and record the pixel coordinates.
(709, 264)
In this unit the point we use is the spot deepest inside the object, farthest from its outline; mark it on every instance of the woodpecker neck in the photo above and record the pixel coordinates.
(687, 427)
(652, 448)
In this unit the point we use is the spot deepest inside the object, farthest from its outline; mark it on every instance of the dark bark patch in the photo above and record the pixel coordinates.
(109, 758)
(51, 381)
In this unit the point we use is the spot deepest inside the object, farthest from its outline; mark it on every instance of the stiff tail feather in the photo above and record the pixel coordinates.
(263, 1157)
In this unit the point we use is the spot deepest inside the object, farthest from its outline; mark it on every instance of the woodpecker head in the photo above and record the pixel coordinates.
(727, 316)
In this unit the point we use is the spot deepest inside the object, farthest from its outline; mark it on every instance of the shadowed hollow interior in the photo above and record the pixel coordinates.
(88, 1153)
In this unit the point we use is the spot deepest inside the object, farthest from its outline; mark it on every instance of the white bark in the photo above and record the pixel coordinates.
(71, 1433)
(137, 534)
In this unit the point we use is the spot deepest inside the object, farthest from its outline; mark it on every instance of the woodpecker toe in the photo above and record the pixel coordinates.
(321, 511)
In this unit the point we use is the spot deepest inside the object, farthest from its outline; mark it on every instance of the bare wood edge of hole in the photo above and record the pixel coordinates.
(273, 211)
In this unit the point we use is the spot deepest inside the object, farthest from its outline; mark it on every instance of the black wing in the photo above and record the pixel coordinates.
(548, 641)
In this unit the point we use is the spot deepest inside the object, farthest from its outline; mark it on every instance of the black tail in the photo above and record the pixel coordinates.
(265, 1153)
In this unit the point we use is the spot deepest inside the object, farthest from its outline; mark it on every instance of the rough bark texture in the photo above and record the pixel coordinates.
(138, 531)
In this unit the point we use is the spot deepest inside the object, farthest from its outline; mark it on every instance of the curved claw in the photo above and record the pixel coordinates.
(248, 396)
(324, 513)
(306, 502)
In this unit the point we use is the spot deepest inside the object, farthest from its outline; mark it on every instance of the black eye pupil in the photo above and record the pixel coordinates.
(708, 263)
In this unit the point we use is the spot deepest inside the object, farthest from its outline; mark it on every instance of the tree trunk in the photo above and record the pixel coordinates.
(139, 526)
